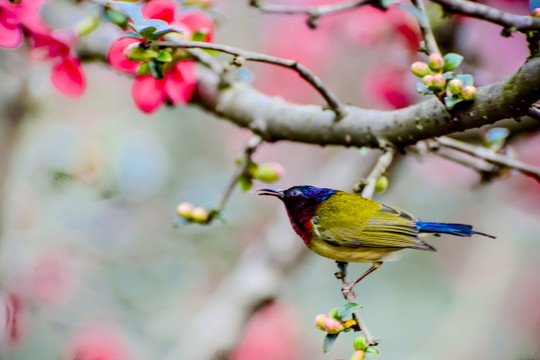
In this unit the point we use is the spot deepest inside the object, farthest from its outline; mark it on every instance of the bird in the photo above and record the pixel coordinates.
(350, 228)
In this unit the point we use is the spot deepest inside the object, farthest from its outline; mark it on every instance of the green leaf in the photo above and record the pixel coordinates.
(334, 314)
(116, 17)
(143, 69)
(140, 54)
(329, 341)
(452, 61)
(162, 32)
(164, 56)
(496, 137)
(145, 32)
(347, 309)
(245, 183)
(449, 75)
(131, 10)
(372, 351)
(387, 3)
(133, 35)
(156, 69)
(198, 36)
(466, 79)
(451, 101)
(421, 88)
(360, 343)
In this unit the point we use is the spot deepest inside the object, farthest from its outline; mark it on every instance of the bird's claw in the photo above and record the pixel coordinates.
(347, 291)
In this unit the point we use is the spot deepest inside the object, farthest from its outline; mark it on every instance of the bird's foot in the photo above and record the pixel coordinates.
(341, 274)
(347, 291)
(372, 341)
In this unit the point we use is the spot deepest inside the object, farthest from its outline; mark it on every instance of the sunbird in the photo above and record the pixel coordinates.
(350, 228)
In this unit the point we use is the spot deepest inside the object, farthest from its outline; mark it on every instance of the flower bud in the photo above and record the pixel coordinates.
(184, 209)
(87, 25)
(381, 184)
(200, 214)
(358, 355)
(269, 172)
(360, 343)
(420, 69)
(455, 86)
(176, 36)
(427, 80)
(469, 92)
(136, 53)
(319, 321)
(439, 81)
(332, 326)
(535, 12)
(436, 61)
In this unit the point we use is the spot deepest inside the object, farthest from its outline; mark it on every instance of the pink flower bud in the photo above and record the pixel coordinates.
(439, 80)
(436, 61)
(455, 86)
(319, 321)
(536, 12)
(428, 80)
(469, 92)
(200, 214)
(358, 355)
(332, 326)
(420, 69)
(184, 209)
(269, 172)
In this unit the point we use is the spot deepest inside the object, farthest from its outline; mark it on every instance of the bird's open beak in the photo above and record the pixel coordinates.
(270, 192)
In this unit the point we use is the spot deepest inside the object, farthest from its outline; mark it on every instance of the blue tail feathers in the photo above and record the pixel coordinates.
(452, 229)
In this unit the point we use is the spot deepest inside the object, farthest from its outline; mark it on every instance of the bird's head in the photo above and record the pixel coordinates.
(298, 197)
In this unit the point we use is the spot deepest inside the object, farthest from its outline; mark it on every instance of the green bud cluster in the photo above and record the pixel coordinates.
(439, 79)
(151, 61)
(191, 213)
(267, 173)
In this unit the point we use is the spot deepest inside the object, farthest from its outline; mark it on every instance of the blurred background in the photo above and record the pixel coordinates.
(93, 268)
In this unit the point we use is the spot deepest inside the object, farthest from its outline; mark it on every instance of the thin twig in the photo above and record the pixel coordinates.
(461, 158)
(511, 22)
(430, 44)
(367, 185)
(248, 151)
(313, 13)
(490, 156)
(333, 103)
(350, 296)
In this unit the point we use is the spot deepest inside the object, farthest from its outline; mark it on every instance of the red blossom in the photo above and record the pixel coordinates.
(22, 19)
(178, 83)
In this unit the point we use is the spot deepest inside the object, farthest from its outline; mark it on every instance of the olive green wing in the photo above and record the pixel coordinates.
(366, 223)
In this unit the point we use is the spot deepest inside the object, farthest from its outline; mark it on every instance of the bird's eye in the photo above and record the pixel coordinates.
(296, 192)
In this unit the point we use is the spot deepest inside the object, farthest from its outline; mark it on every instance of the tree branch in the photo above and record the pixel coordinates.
(314, 13)
(430, 44)
(511, 22)
(333, 103)
(275, 119)
(490, 156)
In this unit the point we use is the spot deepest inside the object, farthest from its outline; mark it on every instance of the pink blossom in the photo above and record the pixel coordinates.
(14, 320)
(22, 19)
(97, 342)
(271, 334)
(178, 83)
